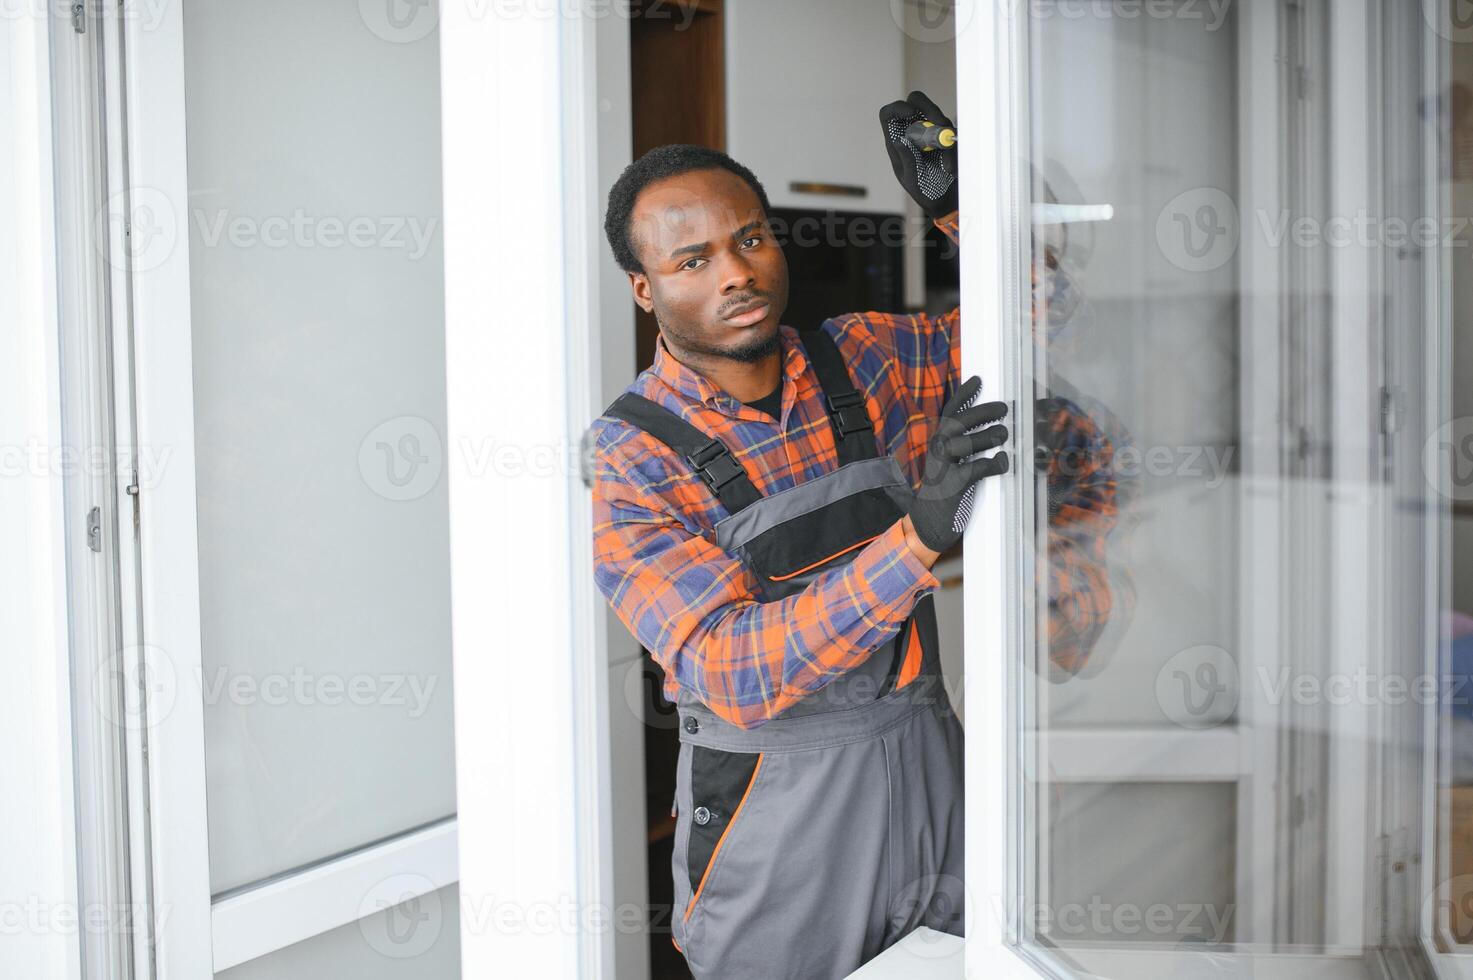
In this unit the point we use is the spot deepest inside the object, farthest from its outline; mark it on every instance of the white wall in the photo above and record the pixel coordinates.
(804, 86)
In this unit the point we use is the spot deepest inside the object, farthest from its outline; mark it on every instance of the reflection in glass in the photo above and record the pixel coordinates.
(1232, 683)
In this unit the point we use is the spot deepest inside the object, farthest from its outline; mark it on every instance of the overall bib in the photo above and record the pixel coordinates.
(809, 844)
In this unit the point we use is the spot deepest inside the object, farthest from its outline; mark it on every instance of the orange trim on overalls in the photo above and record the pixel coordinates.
(821, 561)
(911, 666)
(706, 875)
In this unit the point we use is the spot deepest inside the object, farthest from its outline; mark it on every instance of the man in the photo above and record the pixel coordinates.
(768, 504)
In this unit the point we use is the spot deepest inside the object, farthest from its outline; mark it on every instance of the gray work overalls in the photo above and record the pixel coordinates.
(807, 845)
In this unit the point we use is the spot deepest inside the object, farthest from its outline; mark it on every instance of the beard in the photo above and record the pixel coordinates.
(748, 351)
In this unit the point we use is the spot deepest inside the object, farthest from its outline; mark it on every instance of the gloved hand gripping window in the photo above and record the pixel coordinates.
(943, 503)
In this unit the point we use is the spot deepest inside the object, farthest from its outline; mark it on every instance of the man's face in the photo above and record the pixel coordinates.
(714, 275)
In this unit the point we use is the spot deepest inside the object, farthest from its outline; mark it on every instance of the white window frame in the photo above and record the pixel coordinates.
(35, 708)
(167, 545)
(202, 934)
(987, 78)
(532, 772)
(88, 291)
(532, 775)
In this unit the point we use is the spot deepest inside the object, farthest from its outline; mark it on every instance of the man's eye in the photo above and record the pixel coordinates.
(754, 238)
(687, 263)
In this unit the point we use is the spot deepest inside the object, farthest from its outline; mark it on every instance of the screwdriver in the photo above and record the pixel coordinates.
(927, 136)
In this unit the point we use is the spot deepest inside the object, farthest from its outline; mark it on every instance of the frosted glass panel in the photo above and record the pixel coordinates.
(318, 325)
(415, 940)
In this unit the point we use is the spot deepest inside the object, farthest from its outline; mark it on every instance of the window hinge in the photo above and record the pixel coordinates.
(79, 20)
(132, 490)
(94, 529)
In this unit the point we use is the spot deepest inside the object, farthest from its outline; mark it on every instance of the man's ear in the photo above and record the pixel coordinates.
(639, 285)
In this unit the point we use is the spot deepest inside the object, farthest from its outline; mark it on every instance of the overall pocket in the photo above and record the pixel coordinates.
(720, 783)
(790, 538)
(789, 555)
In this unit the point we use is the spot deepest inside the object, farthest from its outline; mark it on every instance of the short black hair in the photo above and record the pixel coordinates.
(669, 160)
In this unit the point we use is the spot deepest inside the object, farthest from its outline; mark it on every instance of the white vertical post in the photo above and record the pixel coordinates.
(990, 243)
(38, 868)
(516, 627)
(1355, 530)
(584, 39)
(168, 663)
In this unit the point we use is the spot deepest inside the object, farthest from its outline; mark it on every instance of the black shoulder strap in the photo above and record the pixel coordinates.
(854, 433)
(709, 457)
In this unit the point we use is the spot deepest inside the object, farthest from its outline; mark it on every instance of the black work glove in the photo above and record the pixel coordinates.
(927, 176)
(943, 504)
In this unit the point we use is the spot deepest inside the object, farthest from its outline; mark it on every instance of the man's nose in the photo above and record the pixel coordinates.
(737, 275)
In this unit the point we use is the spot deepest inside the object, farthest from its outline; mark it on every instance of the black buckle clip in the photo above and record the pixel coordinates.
(847, 411)
(715, 464)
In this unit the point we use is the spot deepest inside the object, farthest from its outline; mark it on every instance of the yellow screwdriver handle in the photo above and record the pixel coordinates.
(919, 133)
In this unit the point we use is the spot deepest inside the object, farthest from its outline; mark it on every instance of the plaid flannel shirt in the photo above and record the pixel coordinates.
(696, 608)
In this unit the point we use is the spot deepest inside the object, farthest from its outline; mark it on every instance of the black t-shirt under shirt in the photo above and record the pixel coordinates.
(771, 403)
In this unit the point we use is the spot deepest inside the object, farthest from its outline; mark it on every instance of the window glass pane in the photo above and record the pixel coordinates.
(319, 379)
(1230, 683)
(1102, 868)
